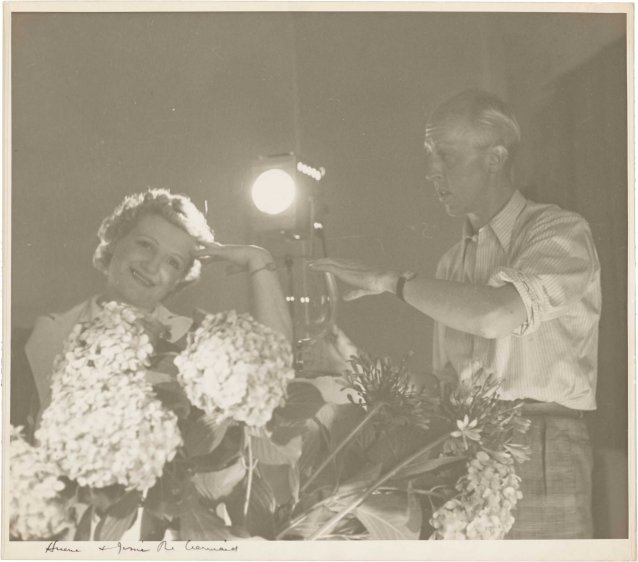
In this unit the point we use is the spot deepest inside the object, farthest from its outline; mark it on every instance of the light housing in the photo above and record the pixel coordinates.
(285, 192)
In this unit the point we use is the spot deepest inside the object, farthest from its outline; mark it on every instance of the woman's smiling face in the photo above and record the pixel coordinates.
(149, 262)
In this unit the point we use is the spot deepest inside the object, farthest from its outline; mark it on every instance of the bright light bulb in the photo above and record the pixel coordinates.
(273, 191)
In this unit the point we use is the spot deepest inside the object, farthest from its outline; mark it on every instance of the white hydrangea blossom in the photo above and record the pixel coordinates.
(234, 367)
(37, 512)
(483, 508)
(104, 425)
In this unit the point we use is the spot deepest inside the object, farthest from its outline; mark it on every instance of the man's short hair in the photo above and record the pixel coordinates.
(481, 115)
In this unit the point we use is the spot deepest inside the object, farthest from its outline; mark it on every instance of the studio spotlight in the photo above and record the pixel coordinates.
(273, 191)
(286, 194)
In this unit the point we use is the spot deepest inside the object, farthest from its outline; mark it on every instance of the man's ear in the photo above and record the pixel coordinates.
(496, 158)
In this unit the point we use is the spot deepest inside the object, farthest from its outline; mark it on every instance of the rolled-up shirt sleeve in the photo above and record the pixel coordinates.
(552, 269)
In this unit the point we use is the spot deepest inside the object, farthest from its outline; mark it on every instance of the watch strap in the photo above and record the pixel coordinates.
(403, 279)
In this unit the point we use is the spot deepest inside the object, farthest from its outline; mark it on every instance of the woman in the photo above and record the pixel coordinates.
(152, 246)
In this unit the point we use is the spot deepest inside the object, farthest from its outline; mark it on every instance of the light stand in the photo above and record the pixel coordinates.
(299, 224)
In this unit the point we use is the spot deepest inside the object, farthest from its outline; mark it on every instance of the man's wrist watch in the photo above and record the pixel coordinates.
(403, 279)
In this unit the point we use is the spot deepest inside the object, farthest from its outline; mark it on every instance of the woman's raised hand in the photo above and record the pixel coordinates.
(365, 279)
(243, 256)
(269, 305)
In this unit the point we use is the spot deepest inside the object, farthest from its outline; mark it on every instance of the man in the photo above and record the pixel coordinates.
(519, 295)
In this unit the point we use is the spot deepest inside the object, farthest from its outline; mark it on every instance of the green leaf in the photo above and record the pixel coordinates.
(164, 361)
(118, 518)
(102, 498)
(394, 516)
(265, 451)
(170, 496)
(313, 446)
(305, 528)
(83, 529)
(157, 377)
(201, 523)
(261, 509)
(203, 435)
(173, 398)
(153, 528)
(424, 464)
(225, 453)
(220, 483)
(354, 486)
(303, 401)
(282, 435)
(164, 348)
(361, 480)
(278, 478)
(294, 483)
(396, 444)
(339, 420)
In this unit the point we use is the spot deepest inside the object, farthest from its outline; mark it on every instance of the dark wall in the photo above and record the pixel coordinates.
(106, 104)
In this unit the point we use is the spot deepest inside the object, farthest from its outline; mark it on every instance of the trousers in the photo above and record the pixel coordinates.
(556, 481)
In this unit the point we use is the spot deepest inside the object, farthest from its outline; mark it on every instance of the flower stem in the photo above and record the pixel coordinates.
(341, 445)
(249, 484)
(301, 517)
(381, 480)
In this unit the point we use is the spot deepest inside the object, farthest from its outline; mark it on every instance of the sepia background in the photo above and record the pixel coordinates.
(104, 104)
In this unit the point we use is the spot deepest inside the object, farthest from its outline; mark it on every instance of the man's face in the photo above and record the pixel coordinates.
(149, 262)
(457, 169)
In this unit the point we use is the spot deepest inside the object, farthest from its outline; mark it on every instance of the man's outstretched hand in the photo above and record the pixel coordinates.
(365, 280)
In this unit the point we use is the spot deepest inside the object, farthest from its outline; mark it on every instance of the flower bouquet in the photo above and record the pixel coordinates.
(212, 439)
(406, 463)
(38, 508)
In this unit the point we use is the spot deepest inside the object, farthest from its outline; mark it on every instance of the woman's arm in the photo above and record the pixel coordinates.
(269, 304)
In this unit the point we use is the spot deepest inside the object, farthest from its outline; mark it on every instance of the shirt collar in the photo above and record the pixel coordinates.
(177, 325)
(503, 223)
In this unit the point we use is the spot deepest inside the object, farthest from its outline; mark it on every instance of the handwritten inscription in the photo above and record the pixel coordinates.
(193, 546)
(54, 547)
(123, 548)
(162, 546)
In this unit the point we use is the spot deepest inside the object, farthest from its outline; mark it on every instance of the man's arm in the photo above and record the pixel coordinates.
(489, 312)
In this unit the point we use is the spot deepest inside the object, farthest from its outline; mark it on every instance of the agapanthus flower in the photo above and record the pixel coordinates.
(377, 382)
(37, 510)
(235, 368)
(467, 429)
(104, 425)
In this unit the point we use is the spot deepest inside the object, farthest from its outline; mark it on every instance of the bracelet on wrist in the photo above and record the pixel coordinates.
(270, 266)
(403, 279)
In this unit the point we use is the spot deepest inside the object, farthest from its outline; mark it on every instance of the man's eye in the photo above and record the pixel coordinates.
(175, 264)
(446, 157)
(143, 243)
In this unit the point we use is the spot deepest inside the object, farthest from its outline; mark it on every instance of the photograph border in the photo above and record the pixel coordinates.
(598, 549)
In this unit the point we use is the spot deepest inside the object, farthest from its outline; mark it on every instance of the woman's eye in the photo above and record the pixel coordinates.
(143, 243)
(175, 264)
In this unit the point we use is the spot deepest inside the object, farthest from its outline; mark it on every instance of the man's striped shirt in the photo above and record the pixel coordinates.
(548, 255)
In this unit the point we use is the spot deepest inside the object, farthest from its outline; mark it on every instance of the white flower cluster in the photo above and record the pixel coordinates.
(234, 367)
(37, 512)
(483, 508)
(104, 425)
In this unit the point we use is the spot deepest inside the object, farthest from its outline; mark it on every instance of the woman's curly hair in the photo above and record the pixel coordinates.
(178, 209)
